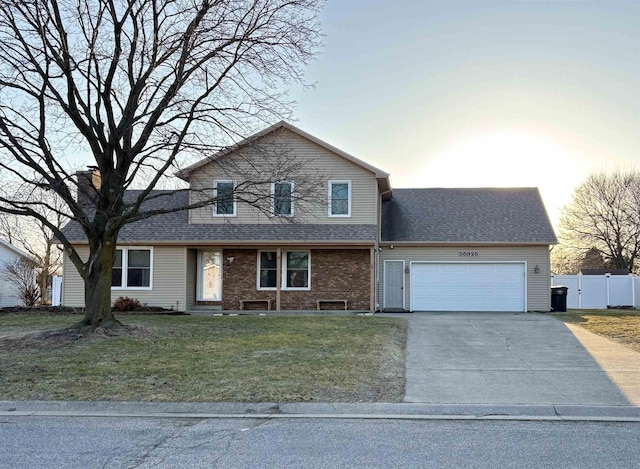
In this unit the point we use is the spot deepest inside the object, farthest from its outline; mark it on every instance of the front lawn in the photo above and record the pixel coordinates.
(188, 358)
(620, 325)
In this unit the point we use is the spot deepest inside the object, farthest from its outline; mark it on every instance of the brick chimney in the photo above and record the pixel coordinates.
(89, 183)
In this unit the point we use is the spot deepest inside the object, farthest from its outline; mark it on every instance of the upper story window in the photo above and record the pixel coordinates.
(225, 203)
(132, 269)
(282, 193)
(339, 198)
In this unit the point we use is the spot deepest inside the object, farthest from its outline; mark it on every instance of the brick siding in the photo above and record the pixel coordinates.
(336, 274)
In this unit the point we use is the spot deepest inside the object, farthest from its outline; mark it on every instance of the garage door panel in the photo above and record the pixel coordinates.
(473, 286)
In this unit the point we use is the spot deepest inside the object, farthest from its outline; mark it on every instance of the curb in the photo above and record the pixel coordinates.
(272, 411)
(521, 418)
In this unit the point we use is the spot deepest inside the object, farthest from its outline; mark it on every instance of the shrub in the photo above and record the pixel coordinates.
(124, 303)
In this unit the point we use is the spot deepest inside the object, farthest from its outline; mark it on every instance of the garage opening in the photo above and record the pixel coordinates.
(468, 286)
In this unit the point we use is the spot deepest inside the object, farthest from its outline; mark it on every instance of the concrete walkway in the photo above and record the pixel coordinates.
(621, 364)
(515, 359)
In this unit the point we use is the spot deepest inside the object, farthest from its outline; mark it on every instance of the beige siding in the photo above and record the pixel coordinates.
(538, 284)
(169, 280)
(72, 284)
(308, 158)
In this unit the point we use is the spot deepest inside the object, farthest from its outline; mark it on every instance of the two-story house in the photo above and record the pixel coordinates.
(355, 244)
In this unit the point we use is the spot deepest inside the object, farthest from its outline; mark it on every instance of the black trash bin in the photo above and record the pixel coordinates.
(559, 298)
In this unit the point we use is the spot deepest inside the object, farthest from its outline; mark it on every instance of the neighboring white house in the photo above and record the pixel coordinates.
(9, 295)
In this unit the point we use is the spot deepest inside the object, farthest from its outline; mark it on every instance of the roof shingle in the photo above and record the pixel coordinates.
(467, 215)
(175, 226)
(419, 215)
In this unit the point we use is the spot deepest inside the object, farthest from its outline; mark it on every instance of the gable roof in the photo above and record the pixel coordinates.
(381, 176)
(174, 228)
(11, 247)
(484, 215)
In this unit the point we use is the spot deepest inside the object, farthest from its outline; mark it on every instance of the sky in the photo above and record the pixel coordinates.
(480, 93)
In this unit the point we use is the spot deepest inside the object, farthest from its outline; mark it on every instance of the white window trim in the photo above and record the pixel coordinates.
(125, 262)
(215, 204)
(273, 199)
(284, 271)
(199, 276)
(348, 214)
(258, 287)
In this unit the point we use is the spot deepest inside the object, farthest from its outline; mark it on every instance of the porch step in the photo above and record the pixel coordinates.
(206, 308)
(217, 312)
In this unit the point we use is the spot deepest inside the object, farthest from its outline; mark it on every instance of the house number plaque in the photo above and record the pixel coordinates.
(468, 253)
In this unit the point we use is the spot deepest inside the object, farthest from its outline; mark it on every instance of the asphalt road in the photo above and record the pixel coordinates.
(119, 442)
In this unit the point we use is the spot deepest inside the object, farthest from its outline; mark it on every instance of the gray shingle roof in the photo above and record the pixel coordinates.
(421, 215)
(175, 227)
(467, 215)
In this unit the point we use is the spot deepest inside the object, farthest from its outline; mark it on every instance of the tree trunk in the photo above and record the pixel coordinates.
(43, 277)
(42, 286)
(97, 285)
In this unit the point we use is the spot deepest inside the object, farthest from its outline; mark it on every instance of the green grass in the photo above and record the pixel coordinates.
(620, 325)
(186, 358)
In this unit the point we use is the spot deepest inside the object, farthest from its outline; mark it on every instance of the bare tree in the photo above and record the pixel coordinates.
(36, 238)
(140, 86)
(603, 219)
(563, 260)
(23, 273)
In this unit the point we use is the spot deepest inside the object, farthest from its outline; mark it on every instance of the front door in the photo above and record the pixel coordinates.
(394, 285)
(209, 276)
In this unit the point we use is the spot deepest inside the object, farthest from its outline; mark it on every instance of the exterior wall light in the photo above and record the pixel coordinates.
(536, 269)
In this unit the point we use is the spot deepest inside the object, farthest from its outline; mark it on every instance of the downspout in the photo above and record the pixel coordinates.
(372, 274)
(376, 260)
(278, 277)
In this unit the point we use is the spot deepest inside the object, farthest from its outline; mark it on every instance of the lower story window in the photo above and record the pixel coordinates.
(267, 269)
(132, 268)
(297, 270)
(295, 267)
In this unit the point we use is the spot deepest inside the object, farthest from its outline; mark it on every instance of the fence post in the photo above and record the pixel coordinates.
(579, 290)
(56, 290)
(607, 276)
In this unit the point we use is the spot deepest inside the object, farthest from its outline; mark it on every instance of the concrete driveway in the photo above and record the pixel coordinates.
(505, 358)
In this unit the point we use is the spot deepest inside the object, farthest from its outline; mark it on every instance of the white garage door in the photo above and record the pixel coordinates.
(473, 286)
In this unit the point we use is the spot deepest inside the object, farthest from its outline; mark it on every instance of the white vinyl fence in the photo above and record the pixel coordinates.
(599, 291)
(56, 290)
